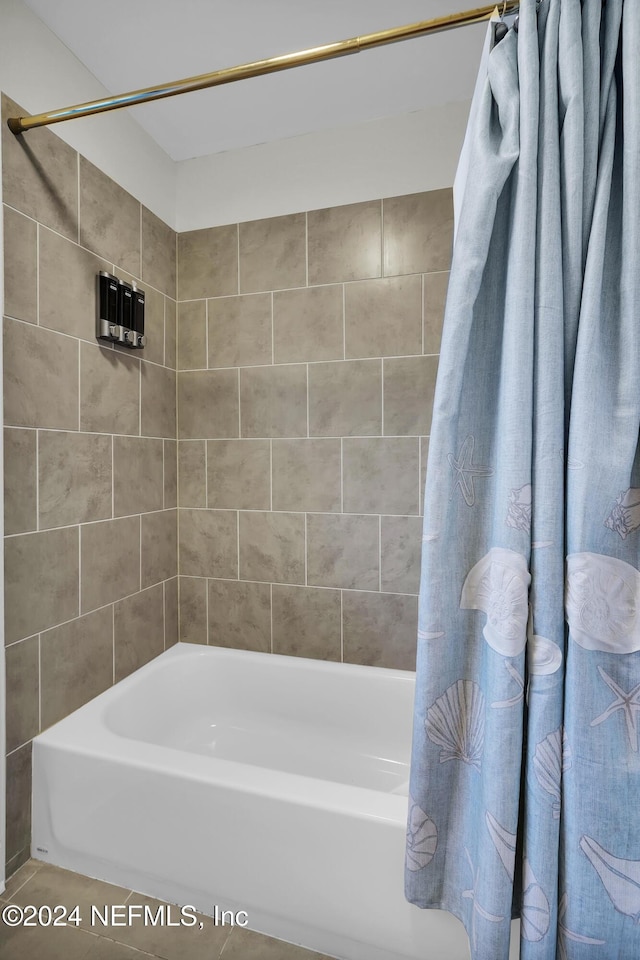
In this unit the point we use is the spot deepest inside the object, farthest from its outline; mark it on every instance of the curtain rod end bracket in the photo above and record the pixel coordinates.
(15, 125)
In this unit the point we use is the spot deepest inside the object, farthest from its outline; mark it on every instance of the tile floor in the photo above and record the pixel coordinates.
(41, 884)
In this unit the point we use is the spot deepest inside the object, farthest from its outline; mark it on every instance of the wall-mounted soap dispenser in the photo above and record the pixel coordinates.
(120, 313)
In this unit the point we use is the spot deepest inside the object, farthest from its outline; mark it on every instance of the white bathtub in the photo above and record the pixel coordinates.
(268, 784)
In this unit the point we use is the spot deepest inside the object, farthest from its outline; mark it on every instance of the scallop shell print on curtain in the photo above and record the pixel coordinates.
(499, 585)
(456, 723)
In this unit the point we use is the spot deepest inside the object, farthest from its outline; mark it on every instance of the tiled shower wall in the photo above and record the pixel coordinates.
(90, 449)
(307, 355)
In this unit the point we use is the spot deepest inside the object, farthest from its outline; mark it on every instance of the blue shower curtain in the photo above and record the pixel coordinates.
(525, 780)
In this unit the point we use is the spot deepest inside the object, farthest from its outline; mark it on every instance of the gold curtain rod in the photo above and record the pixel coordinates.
(329, 51)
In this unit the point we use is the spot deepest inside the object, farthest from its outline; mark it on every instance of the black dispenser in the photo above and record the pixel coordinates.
(138, 316)
(125, 310)
(120, 313)
(107, 314)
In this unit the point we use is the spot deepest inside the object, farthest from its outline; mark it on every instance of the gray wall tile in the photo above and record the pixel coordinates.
(418, 232)
(22, 692)
(170, 474)
(273, 253)
(109, 219)
(40, 175)
(109, 391)
(383, 318)
(138, 479)
(273, 401)
(208, 404)
(192, 335)
(159, 532)
(193, 610)
(153, 325)
(308, 324)
(67, 286)
(380, 629)
(409, 386)
(240, 615)
(20, 481)
(435, 296)
(381, 475)
(138, 630)
(40, 377)
(208, 262)
(400, 551)
(170, 332)
(424, 457)
(158, 399)
(345, 398)
(307, 475)
(171, 624)
(76, 664)
(208, 543)
(306, 622)
(74, 477)
(239, 474)
(158, 253)
(240, 330)
(18, 772)
(345, 242)
(110, 561)
(20, 267)
(41, 581)
(343, 551)
(192, 473)
(272, 547)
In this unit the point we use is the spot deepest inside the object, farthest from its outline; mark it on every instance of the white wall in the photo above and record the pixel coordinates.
(40, 73)
(382, 158)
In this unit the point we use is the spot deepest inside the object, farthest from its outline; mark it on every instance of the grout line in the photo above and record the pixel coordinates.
(206, 473)
(341, 474)
(206, 332)
(37, 485)
(37, 273)
(206, 608)
(306, 248)
(79, 388)
(134, 436)
(79, 574)
(282, 583)
(271, 474)
(178, 597)
(271, 612)
(382, 263)
(78, 193)
(423, 314)
(306, 572)
(238, 539)
(238, 254)
(382, 397)
(239, 408)
(287, 363)
(113, 478)
(39, 684)
(273, 348)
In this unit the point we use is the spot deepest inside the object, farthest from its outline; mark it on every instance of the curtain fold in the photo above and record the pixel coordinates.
(525, 778)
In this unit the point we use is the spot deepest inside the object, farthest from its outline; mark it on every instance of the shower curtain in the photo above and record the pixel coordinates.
(525, 780)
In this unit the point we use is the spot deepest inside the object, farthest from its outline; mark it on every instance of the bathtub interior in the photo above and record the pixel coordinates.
(334, 722)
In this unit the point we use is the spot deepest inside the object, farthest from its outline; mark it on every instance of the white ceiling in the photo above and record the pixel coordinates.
(127, 44)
